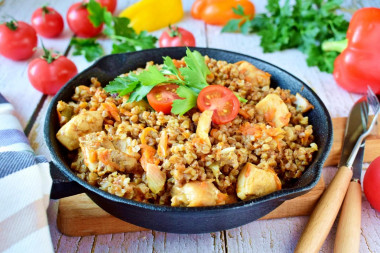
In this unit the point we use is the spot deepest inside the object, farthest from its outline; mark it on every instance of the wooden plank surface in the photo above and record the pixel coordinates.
(279, 235)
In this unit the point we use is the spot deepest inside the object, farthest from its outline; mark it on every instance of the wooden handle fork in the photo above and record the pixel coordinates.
(324, 214)
(348, 233)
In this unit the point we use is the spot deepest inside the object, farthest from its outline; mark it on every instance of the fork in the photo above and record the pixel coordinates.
(321, 220)
(374, 104)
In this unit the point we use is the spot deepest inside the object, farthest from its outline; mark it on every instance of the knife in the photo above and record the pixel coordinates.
(325, 212)
(348, 232)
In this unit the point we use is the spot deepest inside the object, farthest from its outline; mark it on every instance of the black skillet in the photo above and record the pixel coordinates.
(182, 219)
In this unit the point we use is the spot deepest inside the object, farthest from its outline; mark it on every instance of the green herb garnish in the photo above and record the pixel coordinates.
(89, 48)
(304, 25)
(194, 79)
(181, 106)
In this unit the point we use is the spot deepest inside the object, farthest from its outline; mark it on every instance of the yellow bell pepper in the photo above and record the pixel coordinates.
(151, 15)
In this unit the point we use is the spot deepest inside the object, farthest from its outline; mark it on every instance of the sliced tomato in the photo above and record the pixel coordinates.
(221, 100)
(161, 97)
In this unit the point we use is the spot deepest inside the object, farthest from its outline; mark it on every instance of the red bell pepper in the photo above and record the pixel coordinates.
(358, 66)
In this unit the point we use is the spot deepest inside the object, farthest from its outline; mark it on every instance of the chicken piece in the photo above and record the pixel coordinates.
(202, 139)
(274, 110)
(254, 182)
(302, 104)
(229, 157)
(253, 75)
(79, 125)
(155, 177)
(197, 194)
(101, 156)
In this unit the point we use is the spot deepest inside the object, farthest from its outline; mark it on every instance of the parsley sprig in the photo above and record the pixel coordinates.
(191, 79)
(304, 25)
(124, 37)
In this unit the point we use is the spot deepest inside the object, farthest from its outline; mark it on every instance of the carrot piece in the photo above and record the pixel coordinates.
(244, 114)
(145, 133)
(112, 109)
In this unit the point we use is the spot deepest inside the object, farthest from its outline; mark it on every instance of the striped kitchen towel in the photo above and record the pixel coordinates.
(25, 185)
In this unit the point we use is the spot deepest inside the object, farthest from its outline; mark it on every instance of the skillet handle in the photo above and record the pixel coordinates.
(62, 187)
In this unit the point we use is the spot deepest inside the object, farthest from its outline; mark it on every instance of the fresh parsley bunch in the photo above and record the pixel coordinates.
(191, 79)
(304, 25)
(124, 37)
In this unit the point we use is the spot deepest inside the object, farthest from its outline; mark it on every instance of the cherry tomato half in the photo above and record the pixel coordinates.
(77, 18)
(176, 37)
(161, 97)
(49, 77)
(47, 22)
(17, 40)
(371, 184)
(221, 100)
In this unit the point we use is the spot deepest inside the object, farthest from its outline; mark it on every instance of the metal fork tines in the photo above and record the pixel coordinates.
(373, 103)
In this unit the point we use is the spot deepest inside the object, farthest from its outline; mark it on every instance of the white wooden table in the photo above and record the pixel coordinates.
(278, 235)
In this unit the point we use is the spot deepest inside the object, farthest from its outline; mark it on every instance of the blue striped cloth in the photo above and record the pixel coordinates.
(25, 185)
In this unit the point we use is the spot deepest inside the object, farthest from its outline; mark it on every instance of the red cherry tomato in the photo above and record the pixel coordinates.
(371, 184)
(109, 4)
(161, 97)
(17, 40)
(77, 18)
(47, 22)
(221, 100)
(176, 37)
(49, 73)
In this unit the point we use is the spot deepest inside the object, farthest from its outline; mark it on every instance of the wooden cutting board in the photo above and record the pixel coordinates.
(79, 216)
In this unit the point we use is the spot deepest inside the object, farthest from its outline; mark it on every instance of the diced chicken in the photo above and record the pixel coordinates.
(229, 157)
(79, 125)
(155, 177)
(302, 104)
(204, 125)
(101, 156)
(254, 182)
(253, 75)
(198, 194)
(274, 110)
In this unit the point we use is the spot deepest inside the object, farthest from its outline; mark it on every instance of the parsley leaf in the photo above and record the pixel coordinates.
(239, 10)
(152, 76)
(87, 47)
(196, 71)
(122, 85)
(140, 93)
(304, 25)
(181, 106)
(96, 13)
(232, 25)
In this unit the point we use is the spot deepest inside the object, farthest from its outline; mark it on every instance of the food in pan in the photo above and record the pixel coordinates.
(189, 132)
